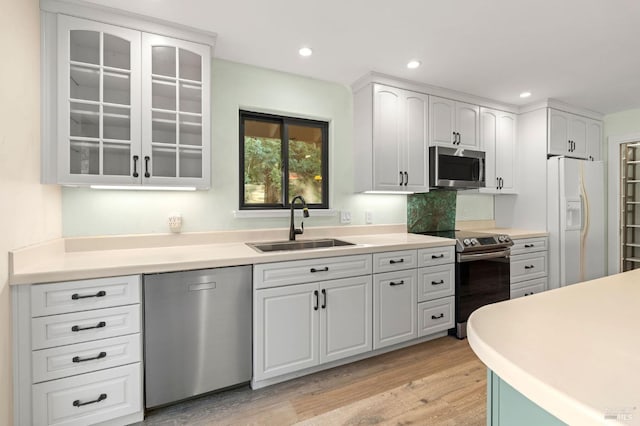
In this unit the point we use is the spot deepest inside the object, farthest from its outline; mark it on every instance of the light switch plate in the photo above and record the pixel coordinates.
(345, 216)
(368, 217)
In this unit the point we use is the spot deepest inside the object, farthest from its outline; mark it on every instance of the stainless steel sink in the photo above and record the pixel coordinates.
(297, 245)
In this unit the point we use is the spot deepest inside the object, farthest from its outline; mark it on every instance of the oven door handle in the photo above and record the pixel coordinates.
(463, 257)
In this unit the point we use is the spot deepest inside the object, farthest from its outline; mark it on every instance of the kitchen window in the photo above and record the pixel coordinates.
(281, 157)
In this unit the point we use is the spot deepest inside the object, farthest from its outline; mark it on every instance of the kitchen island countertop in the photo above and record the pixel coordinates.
(573, 351)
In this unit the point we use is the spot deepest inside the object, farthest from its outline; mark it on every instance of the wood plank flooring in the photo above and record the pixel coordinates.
(440, 382)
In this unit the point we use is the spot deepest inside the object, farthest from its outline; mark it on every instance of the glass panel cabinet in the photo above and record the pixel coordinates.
(175, 107)
(132, 108)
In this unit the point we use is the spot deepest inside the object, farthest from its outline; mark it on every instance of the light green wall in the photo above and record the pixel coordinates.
(237, 86)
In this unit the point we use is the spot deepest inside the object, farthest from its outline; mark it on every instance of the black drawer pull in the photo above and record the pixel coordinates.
(99, 325)
(398, 283)
(528, 294)
(77, 402)
(529, 245)
(324, 299)
(393, 262)
(315, 293)
(437, 317)
(78, 359)
(529, 266)
(135, 166)
(440, 256)
(76, 296)
(437, 282)
(146, 166)
(325, 269)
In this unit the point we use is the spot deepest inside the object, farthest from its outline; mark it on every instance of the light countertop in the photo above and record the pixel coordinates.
(574, 351)
(96, 257)
(50, 263)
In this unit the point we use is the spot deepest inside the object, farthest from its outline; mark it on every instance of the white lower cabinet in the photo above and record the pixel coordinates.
(394, 307)
(436, 315)
(89, 398)
(529, 266)
(78, 350)
(303, 325)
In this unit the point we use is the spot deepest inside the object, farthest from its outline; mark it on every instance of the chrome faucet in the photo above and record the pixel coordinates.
(293, 231)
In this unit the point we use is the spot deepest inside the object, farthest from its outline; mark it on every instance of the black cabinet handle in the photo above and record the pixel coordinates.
(437, 317)
(440, 256)
(459, 138)
(455, 138)
(135, 166)
(393, 261)
(437, 282)
(325, 269)
(528, 266)
(401, 179)
(529, 245)
(406, 178)
(497, 183)
(529, 294)
(392, 283)
(501, 183)
(76, 296)
(146, 166)
(315, 293)
(324, 299)
(101, 324)
(77, 402)
(99, 356)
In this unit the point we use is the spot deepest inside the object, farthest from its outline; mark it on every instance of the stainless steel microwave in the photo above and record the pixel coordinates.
(456, 168)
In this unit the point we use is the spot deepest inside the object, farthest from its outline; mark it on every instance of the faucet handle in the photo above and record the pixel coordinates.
(301, 230)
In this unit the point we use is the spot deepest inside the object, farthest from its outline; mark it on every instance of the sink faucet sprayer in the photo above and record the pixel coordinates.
(293, 231)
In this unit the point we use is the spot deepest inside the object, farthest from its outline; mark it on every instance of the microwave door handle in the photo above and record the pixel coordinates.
(481, 171)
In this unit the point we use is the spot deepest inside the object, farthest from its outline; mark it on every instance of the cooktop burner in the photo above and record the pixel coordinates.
(473, 241)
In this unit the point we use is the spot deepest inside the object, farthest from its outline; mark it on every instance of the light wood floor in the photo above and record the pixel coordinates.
(440, 382)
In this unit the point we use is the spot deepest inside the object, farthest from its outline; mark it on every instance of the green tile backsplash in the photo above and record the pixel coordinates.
(431, 211)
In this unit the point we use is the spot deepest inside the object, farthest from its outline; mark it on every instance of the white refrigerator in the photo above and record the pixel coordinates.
(575, 221)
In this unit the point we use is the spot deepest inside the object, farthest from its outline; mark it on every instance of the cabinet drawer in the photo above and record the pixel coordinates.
(435, 282)
(528, 266)
(436, 256)
(528, 245)
(70, 360)
(527, 288)
(394, 261)
(435, 315)
(74, 296)
(89, 398)
(57, 330)
(304, 271)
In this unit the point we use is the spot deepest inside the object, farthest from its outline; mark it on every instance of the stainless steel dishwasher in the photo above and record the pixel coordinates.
(197, 332)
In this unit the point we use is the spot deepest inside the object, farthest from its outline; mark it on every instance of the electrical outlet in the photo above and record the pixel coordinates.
(368, 217)
(175, 222)
(345, 216)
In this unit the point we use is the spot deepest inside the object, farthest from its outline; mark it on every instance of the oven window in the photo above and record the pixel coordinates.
(480, 283)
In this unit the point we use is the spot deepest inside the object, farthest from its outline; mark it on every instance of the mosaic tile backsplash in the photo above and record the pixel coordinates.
(431, 211)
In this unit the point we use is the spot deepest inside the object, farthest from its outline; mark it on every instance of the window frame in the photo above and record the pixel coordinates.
(284, 122)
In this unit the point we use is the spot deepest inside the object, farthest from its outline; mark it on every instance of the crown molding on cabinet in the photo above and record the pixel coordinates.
(130, 20)
(559, 105)
(375, 77)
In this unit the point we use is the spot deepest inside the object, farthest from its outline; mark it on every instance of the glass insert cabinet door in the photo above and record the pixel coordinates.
(98, 103)
(175, 105)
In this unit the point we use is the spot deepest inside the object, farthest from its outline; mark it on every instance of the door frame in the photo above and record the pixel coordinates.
(613, 194)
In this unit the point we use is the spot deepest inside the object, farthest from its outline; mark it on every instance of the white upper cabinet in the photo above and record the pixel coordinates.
(390, 148)
(123, 107)
(98, 102)
(567, 134)
(454, 123)
(594, 140)
(175, 105)
(497, 140)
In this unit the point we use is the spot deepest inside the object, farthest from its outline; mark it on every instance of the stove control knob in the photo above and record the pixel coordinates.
(466, 242)
(474, 242)
(502, 238)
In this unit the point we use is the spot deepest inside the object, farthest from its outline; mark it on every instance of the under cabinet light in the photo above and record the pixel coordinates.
(525, 94)
(413, 64)
(305, 51)
(389, 192)
(144, 188)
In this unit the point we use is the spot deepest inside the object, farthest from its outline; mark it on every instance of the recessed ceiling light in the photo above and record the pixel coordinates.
(305, 51)
(413, 64)
(525, 94)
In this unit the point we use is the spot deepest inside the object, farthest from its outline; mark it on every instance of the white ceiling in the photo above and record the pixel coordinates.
(582, 52)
